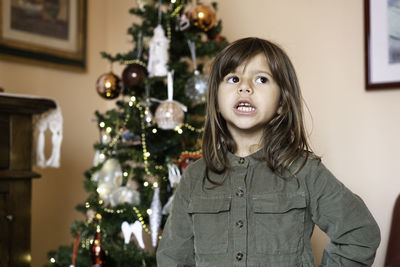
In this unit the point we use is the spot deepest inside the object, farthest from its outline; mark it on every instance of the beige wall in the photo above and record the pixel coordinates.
(355, 131)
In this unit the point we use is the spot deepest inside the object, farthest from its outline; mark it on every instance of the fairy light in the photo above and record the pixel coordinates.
(125, 174)
(102, 124)
(133, 98)
(146, 184)
(191, 128)
(173, 1)
(102, 156)
(140, 217)
(201, 15)
(98, 217)
(87, 205)
(130, 103)
(147, 154)
(101, 202)
(154, 130)
(52, 260)
(108, 129)
(149, 211)
(155, 185)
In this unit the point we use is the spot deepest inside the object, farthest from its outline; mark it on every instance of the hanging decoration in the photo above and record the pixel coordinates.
(203, 17)
(129, 138)
(133, 76)
(75, 247)
(124, 194)
(196, 86)
(155, 216)
(174, 177)
(135, 71)
(108, 179)
(108, 86)
(135, 228)
(158, 53)
(187, 157)
(97, 253)
(53, 120)
(170, 113)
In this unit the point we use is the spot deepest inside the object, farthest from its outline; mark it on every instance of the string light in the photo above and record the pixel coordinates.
(87, 205)
(52, 260)
(102, 124)
(155, 184)
(149, 211)
(154, 130)
(191, 128)
(133, 98)
(146, 184)
(125, 174)
(108, 129)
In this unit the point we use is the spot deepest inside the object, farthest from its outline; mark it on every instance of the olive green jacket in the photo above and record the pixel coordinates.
(257, 219)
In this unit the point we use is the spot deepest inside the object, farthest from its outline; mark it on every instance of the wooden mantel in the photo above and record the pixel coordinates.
(16, 138)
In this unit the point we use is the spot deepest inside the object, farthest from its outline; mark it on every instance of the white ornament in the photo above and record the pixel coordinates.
(158, 53)
(123, 194)
(170, 113)
(174, 174)
(135, 228)
(54, 121)
(155, 216)
(110, 173)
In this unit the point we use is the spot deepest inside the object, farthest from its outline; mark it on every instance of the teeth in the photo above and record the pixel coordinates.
(246, 109)
(244, 104)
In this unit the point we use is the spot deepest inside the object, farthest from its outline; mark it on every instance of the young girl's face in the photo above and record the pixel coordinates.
(248, 97)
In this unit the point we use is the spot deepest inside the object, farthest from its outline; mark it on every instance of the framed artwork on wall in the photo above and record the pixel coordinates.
(46, 32)
(382, 44)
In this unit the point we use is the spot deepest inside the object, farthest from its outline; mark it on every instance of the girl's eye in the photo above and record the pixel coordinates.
(233, 79)
(261, 79)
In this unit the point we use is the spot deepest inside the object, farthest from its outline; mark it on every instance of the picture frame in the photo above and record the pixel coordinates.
(50, 33)
(382, 44)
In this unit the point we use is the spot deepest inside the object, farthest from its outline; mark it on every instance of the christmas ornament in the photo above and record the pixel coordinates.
(97, 253)
(169, 113)
(158, 53)
(75, 247)
(197, 85)
(203, 17)
(132, 77)
(110, 173)
(174, 175)
(184, 22)
(187, 157)
(155, 216)
(135, 228)
(108, 86)
(123, 195)
(130, 138)
(54, 121)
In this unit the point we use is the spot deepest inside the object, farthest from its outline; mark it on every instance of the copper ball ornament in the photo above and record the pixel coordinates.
(108, 85)
(132, 77)
(169, 114)
(204, 17)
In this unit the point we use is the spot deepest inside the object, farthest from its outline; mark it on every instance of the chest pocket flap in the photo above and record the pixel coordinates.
(279, 202)
(209, 204)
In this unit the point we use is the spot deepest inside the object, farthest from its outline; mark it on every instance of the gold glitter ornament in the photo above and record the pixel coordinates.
(108, 86)
(203, 17)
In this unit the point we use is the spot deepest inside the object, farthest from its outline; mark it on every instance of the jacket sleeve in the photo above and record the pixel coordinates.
(176, 247)
(344, 217)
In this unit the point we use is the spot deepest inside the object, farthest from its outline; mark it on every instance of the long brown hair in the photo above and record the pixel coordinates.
(284, 139)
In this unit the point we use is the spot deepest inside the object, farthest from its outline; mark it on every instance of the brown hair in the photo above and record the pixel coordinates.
(284, 139)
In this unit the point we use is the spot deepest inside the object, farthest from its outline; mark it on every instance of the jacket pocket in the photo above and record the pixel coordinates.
(279, 222)
(210, 218)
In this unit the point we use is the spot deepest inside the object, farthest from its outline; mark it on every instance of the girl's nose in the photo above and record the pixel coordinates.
(245, 89)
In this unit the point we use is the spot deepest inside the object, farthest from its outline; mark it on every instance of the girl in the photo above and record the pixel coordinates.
(254, 197)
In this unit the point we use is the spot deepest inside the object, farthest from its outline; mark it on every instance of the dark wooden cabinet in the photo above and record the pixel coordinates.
(16, 139)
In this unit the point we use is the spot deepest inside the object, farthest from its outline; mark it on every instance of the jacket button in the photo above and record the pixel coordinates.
(239, 256)
(241, 160)
(239, 224)
(240, 193)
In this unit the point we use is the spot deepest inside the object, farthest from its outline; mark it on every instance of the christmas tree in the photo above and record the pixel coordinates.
(150, 136)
